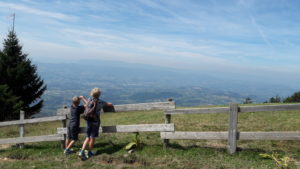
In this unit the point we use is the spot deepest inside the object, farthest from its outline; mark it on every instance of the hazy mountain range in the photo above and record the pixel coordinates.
(123, 83)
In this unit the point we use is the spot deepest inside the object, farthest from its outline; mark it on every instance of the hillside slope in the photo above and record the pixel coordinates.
(110, 151)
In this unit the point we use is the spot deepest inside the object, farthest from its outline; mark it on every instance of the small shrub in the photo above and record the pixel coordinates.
(281, 161)
(135, 144)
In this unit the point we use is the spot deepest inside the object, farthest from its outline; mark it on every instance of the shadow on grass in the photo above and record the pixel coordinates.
(219, 149)
(180, 147)
(108, 148)
(42, 146)
(253, 150)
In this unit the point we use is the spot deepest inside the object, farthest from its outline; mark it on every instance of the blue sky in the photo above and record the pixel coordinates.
(217, 35)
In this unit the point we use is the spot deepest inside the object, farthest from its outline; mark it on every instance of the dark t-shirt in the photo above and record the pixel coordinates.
(75, 115)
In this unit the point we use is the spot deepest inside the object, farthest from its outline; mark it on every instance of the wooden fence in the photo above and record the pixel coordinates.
(22, 139)
(167, 130)
(232, 135)
(169, 105)
(64, 113)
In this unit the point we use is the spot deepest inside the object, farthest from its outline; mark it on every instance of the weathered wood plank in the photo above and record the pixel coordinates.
(232, 130)
(199, 110)
(283, 107)
(63, 111)
(36, 120)
(138, 128)
(64, 125)
(56, 137)
(276, 135)
(127, 128)
(194, 135)
(132, 107)
(146, 106)
(22, 129)
(167, 121)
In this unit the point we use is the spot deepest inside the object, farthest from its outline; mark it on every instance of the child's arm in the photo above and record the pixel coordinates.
(108, 104)
(84, 100)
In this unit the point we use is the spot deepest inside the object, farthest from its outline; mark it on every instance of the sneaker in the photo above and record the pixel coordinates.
(82, 155)
(90, 154)
(67, 151)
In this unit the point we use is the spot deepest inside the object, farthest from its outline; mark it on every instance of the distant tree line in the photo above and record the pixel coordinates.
(275, 99)
(295, 98)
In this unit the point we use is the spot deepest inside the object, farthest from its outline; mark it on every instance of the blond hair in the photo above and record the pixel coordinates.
(76, 100)
(96, 92)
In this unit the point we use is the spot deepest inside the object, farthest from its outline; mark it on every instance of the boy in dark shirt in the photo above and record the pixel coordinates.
(74, 123)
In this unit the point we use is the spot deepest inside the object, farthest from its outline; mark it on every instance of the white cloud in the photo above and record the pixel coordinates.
(218, 35)
(26, 9)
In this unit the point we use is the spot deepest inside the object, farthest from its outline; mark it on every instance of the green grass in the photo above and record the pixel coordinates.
(110, 152)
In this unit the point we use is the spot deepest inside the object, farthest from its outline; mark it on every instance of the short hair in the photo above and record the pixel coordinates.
(96, 92)
(76, 100)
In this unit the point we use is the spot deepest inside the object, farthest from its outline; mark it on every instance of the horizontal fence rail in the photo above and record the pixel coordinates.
(127, 128)
(198, 110)
(194, 135)
(274, 135)
(277, 135)
(145, 106)
(132, 107)
(36, 120)
(56, 137)
(241, 109)
(283, 107)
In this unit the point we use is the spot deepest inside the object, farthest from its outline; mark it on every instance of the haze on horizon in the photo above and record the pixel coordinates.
(246, 36)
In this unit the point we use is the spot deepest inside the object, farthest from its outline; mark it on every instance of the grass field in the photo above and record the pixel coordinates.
(110, 152)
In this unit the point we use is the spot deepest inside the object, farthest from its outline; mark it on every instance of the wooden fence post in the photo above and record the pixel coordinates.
(64, 125)
(232, 131)
(21, 128)
(167, 121)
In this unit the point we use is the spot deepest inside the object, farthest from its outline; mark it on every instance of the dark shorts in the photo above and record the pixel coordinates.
(92, 129)
(73, 132)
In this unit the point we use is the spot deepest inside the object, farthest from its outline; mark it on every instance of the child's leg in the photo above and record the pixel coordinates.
(85, 143)
(69, 136)
(88, 135)
(71, 143)
(82, 154)
(91, 143)
(72, 136)
(94, 134)
(67, 143)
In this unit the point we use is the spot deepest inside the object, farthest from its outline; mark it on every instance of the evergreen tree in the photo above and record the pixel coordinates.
(248, 100)
(10, 104)
(275, 99)
(20, 76)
